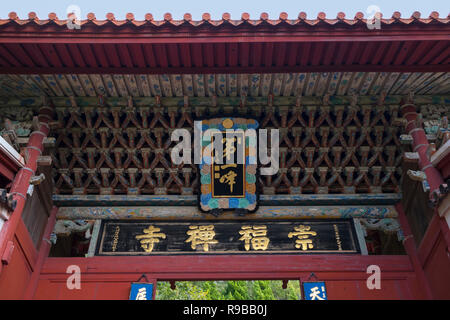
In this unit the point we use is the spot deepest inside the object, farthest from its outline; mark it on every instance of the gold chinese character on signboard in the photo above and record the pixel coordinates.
(201, 235)
(229, 149)
(303, 233)
(150, 237)
(256, 236)
(229, 179)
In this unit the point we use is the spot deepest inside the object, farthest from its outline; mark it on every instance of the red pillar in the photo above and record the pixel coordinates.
(420, 145)
(22, 182)
(411, 250)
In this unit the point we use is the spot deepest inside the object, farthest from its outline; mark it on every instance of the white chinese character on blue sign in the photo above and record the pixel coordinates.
(314, 291)
(141, 291)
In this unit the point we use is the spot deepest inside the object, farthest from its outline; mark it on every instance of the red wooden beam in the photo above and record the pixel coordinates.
(8, 56)
(77, 57)
(137, 55)
(35, 53)
(174, 59)
(101, 55)
(352, 53)
(340, 53)
(149, 55)
(292, 52)
(232, 53)
(208, 54)
(280, 54)
(44, 250)
(125, 57)
(229, 70)
(420, 145)
(243, 49)
(330, 52)
(20, 54)
(256, 54)
(418, 52)
(185, 54)
(433, 52)
(88, 55)
(410, 247)
(22, 181)
(197, 55)
(317, 53)
(49, 51)
(66, 58)
(379, 54)
(222, 267)
(28, 34)
(404, 51)
(220, 53)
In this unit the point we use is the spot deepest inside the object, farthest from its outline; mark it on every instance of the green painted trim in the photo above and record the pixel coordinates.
(192, 200)
(194, 213)
(219, 101)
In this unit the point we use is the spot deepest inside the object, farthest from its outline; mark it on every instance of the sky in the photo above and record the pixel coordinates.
(235, 7)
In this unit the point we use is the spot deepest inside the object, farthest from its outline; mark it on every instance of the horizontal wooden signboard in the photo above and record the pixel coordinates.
(120, 237)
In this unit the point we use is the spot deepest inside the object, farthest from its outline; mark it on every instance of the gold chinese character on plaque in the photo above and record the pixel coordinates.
(256, 236)
(303, 233)
(201, 235)
(150, 237)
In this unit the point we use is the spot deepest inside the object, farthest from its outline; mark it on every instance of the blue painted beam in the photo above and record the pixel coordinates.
(192, 200)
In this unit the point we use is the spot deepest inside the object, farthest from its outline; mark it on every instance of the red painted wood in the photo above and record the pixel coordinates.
(22, 180)
(110, 277)
(125, 57)
(317, 54)
(26, 244)
(8, 56)
(292, 53)
(435, 257)
(435, 50)
(76, 55)
(268, 54)
(340, 53)
(220, 53)
(150, 55)
(352, 53)
(174, 59)
(420, 145)
(379, 53)
(208, 54)
(91, 35)
(185, 54)
(232, 53)
(42, 255)
(329, 53)
(243, 54)
(280, 54)
(49, 51)
(88, 55)
(8, 168)
(100, 55)
(161, 55)
(410, 247)
(64, 54)
(16, 275)
(197, 55)
(36, 55)
(404, 52)
(20, 54)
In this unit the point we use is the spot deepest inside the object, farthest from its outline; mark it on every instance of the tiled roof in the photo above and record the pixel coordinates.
(283, 18)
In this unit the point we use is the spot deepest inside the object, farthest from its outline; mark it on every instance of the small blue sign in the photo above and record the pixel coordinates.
(314, 291)
(141, 291)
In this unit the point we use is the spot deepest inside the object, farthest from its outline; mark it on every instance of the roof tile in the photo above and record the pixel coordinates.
(226, 18)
